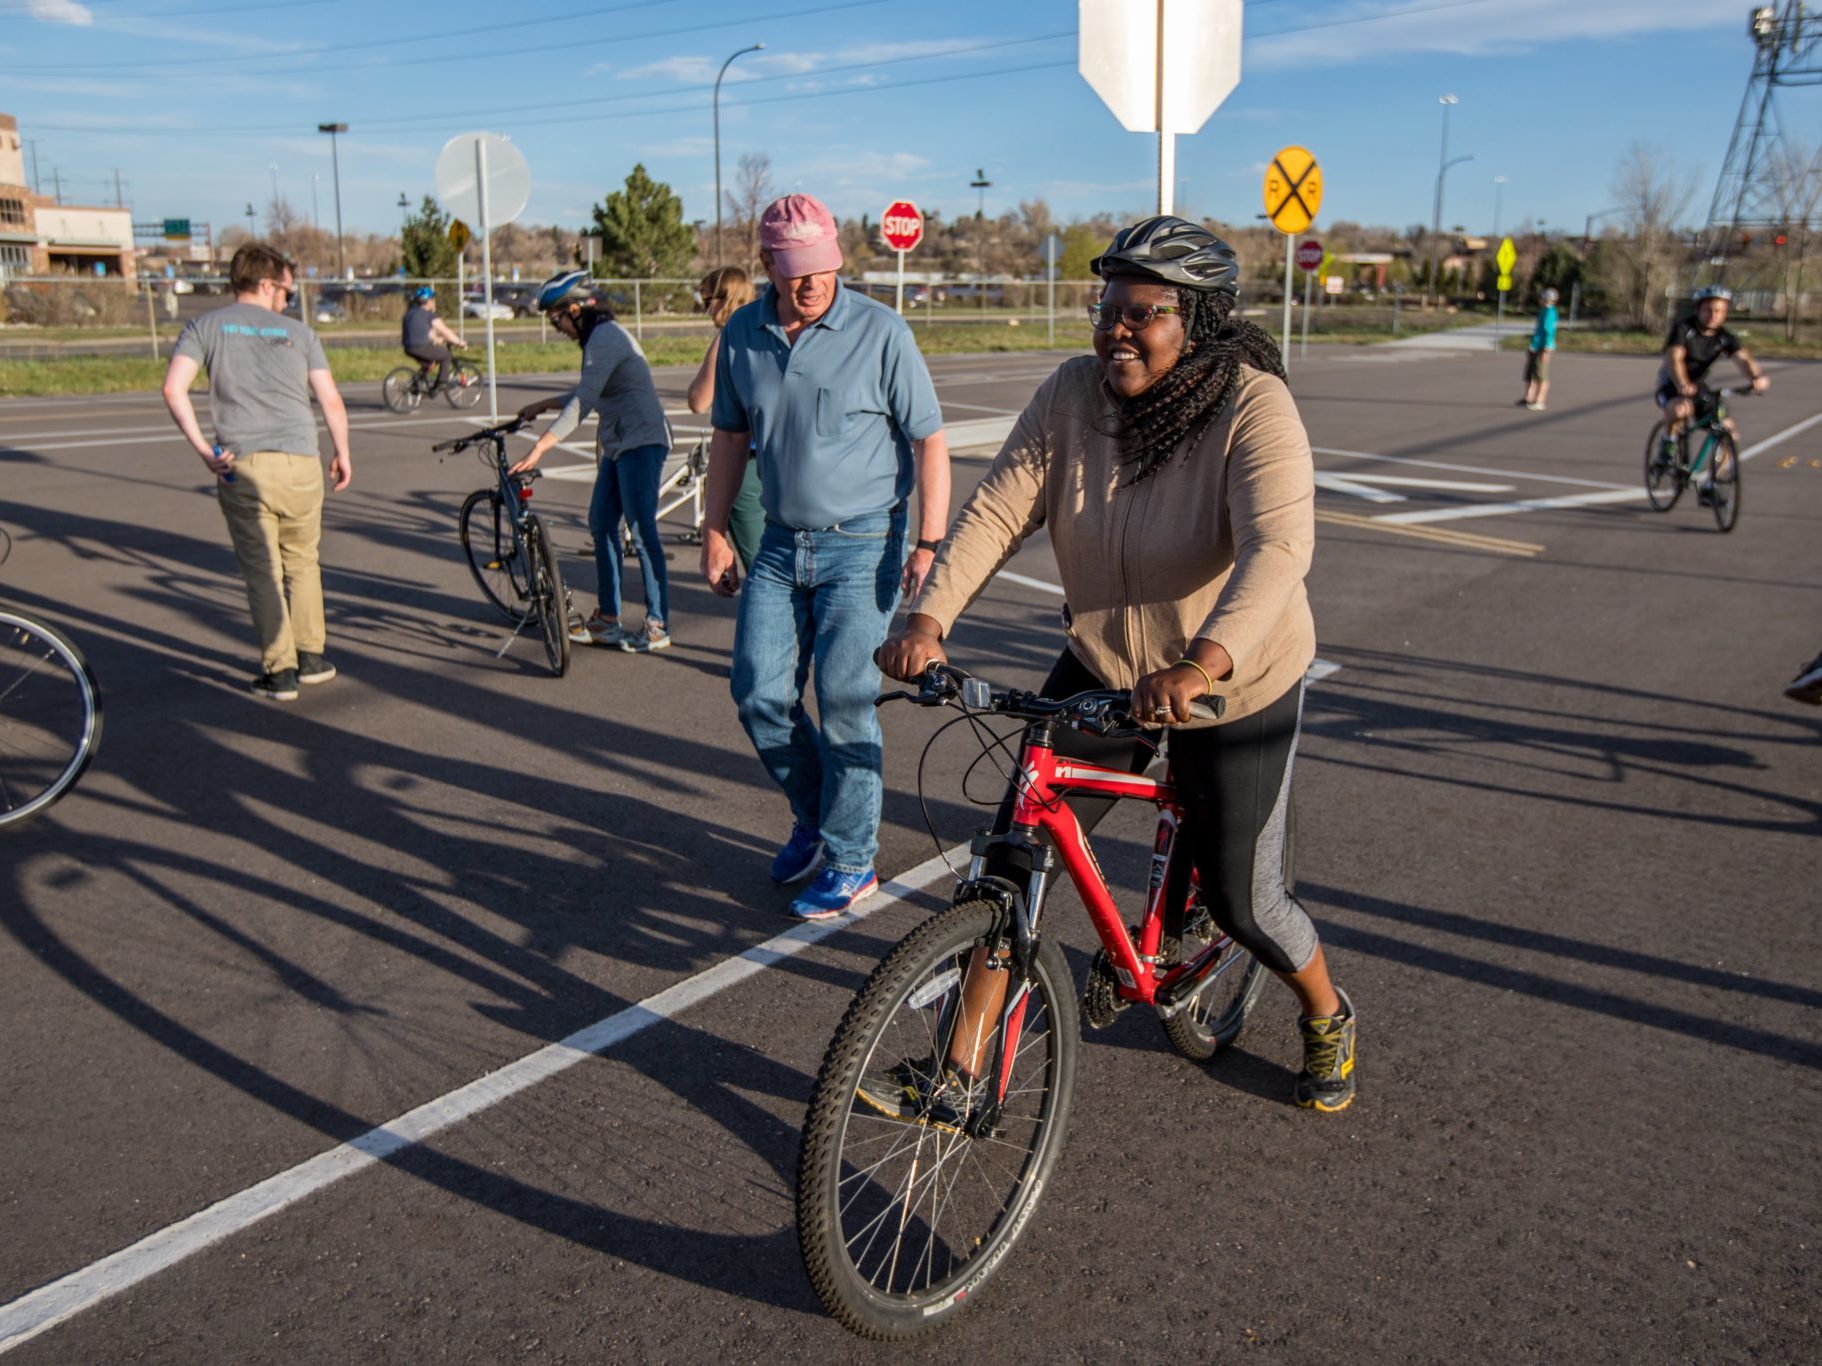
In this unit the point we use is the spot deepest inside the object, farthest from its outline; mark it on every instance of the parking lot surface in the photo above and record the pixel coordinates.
(273, 973)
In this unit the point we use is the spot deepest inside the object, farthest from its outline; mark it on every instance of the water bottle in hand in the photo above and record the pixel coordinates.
(227, 478)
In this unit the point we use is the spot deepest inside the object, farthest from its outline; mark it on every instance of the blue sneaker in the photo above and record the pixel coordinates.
(832, 893)
(799, 857)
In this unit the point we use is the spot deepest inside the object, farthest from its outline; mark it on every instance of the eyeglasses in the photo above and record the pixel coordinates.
(1137, 317)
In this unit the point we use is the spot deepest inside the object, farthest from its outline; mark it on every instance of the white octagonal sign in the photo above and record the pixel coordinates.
(1198, 53)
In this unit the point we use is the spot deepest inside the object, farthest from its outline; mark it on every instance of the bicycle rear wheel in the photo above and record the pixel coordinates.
(490, 544)
(398, 391)
(552, 603)
(902, 1213)
(1218, 1012)
(50, 716)
(1725, 500)
(465, 384)
(1663, 482)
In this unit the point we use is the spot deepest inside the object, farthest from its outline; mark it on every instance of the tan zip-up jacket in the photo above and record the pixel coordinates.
(1214, 545)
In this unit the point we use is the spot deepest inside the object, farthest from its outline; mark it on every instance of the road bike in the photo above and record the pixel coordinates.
(914, 1183)
(507, 548)
(406, 387)
(1669, 469)
(50, 712)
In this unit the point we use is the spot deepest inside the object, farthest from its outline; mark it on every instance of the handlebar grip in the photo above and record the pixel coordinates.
(1207, 708)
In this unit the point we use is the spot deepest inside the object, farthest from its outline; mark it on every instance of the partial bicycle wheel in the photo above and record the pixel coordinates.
(548, 592)
(465, 384)
(1725, 499)
(911, 1189)
(490, 543)
(50, 716)
(1216, 1014)
(398, 391)
(1663, 481)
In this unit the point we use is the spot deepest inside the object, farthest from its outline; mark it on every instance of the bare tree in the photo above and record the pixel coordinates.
(752, 191)
(1654, 193)
(1799, 200)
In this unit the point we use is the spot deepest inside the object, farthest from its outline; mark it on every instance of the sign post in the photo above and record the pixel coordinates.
(1161, 66)
(902, 227)
(1293, 194)
(1309, 258)
(484, 177)
(1506, 257)
(458, 238)
(1053, 253)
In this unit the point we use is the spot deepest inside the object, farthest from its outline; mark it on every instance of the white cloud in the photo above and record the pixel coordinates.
(60, 12)
(694, 70)
(1498, 27)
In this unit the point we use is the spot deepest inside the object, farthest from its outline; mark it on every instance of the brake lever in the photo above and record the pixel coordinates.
(895, 696)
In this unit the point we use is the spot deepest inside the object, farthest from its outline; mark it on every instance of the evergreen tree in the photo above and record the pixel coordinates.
(427, 253)
(643, 235)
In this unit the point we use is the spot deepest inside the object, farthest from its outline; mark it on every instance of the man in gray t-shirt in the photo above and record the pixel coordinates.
(263, 368)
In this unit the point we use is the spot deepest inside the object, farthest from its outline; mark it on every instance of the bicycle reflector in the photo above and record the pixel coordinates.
(524, 493)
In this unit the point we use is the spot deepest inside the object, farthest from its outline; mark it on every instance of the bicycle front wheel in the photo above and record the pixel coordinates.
(547, 592)
(1726, 496)
(398, 392)
(1663, 482)
(490, 544)
(910, 1194)
(50, 716)
(465, 385)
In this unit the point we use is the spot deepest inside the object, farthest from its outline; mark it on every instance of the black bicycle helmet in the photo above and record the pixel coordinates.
(1175, 252)
(566, 287)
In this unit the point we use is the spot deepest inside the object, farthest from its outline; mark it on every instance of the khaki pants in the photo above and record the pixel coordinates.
(274, 511)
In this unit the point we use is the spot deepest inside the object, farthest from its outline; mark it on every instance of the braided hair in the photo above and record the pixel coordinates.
(1193, 393)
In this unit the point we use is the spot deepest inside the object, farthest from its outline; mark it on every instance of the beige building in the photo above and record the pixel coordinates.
(39, 236)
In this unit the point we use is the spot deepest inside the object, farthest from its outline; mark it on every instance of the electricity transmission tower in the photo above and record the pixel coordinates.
(1753, 191)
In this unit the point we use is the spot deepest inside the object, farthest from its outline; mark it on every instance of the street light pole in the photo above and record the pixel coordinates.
(1499, 185)
(756, 47)
(1447, 102)
(980, 184)
(335, 157)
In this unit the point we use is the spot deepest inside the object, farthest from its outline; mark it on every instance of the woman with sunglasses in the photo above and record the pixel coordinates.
(722, 291)
(1174, 476)
(632, 441)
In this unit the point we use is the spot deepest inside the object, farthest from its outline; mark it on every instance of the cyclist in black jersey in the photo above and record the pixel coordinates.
(1690, 351)
(426, 337)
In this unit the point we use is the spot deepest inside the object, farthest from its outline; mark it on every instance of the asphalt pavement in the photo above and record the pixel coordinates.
(442, 1013)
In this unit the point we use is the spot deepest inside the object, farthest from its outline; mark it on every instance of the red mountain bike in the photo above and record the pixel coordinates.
(942, 1102)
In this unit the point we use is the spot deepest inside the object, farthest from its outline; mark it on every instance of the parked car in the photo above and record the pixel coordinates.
(478, 308)
(321, 310)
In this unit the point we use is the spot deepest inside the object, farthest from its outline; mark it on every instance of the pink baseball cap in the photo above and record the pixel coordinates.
(800, 233)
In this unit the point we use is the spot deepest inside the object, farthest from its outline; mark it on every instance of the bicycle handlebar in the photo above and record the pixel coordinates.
(1103, 711)
(462, 443)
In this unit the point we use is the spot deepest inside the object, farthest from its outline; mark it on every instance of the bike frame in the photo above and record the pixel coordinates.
(516, 496)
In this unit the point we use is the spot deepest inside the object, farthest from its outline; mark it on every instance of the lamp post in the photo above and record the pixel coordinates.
(756, 47)
(335, 157)
(250, 232)
(1499, 185)
(1447, 102)
(982, 184)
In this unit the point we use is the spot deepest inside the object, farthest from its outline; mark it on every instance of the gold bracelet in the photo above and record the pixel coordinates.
(1207, 677)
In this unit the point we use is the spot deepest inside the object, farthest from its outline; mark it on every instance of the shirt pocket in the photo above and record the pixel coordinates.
(831, 412)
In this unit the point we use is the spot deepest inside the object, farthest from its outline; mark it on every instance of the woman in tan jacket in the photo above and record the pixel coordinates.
(1174, 477)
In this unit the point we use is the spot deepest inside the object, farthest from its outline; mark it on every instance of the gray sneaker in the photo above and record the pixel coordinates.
(280, 685)
(649, 637)
(597, 631)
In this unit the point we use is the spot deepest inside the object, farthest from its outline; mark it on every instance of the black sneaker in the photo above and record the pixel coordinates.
(1807, 685)
(1326, 1082)
(279, 685)
(313, 668)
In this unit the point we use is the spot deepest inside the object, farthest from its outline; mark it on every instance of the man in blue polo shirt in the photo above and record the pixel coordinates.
(828, 387)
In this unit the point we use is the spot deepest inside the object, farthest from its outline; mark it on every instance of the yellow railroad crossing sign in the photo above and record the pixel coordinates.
(1293, 190)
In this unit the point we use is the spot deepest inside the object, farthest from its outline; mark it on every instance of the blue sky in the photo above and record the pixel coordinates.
(196, 101)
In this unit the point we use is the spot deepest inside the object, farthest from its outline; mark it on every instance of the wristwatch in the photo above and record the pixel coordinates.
(931, 546)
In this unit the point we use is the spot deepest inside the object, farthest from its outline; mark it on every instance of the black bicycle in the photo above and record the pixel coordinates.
(50, 712)
(408, 386)
(508, 550)
(1670, 468)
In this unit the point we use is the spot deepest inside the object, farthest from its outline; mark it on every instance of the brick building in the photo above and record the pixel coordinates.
(39, 236)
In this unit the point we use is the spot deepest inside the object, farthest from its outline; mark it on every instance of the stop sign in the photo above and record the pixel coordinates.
(901, 225)
(1309, 254)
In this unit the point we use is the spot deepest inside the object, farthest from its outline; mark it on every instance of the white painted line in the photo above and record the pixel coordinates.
(1411, 481)
(1567, 500)
(50, 1305)
(1780, 437)
(980, 431)
(1469, 469)
(1336, 483)
(1320, 669)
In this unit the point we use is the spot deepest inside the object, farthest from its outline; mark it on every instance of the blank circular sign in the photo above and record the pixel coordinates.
(508, 179)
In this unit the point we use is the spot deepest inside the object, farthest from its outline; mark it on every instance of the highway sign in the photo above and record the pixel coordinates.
(1309, 254)
(1293, 190)
(901, 225)
(1189, 47)
(177, 230)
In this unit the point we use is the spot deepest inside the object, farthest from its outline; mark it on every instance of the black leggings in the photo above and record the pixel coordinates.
(1233, 781)
(432, 355)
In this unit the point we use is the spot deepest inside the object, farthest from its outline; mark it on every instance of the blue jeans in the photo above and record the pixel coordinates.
(822, 598)
(627, 486)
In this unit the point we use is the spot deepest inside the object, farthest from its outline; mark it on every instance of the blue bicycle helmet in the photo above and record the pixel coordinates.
(1721, 292)
(421, 293)
(569, 287)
